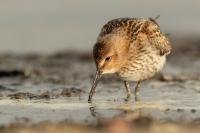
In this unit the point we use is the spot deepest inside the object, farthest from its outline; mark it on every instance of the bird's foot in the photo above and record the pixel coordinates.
(128, 97)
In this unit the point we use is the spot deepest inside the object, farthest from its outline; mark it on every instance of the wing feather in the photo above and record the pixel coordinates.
(134, 27)
(157, 38)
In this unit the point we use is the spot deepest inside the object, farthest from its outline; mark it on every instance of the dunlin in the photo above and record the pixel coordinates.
(133, 48)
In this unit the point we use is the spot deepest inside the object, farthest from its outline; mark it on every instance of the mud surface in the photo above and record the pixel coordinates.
(49, 93)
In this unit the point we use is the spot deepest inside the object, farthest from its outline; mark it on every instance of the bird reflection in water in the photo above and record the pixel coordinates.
(126, 109)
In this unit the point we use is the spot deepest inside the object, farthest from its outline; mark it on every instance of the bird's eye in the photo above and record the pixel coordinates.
(108, 58)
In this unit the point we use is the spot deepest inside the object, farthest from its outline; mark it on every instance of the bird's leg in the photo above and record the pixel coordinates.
(137, 89)
(137, 98)
(128, 90)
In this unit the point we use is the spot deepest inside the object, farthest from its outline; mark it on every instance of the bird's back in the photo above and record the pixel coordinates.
(133, 27)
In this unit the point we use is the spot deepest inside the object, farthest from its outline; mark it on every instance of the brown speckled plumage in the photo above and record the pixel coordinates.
(131, 27)
(133, 48)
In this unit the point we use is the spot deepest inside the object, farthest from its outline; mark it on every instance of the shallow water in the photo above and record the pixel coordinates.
(161, 104)
(159, 100)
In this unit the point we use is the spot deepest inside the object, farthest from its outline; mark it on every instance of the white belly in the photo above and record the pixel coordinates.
(149, 67)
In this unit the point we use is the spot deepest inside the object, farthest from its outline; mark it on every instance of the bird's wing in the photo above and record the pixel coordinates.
(134, 27)
(156, 38)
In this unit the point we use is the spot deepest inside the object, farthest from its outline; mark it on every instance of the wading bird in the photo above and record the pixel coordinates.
(133, 48)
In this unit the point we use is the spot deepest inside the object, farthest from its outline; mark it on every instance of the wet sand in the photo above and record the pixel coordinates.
(48, 93)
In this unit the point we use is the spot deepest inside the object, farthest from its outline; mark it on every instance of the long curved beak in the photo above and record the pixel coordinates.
(95, 82)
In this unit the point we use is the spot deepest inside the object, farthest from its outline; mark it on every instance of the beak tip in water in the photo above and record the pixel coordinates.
(95, 82)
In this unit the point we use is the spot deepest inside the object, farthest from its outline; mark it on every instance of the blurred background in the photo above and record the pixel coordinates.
(46, 69)
(46, 26)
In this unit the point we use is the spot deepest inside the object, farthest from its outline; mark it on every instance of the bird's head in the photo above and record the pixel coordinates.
(110, 53)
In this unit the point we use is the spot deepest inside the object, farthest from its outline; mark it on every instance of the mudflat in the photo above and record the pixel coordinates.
(48, 93)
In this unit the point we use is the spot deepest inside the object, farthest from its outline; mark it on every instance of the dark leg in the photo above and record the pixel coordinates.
(128, 90)
(137, 88)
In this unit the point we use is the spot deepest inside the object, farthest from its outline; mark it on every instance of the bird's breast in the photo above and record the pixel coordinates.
(142, 67)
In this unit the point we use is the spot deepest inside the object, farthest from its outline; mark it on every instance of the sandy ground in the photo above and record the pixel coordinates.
(48, 93)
